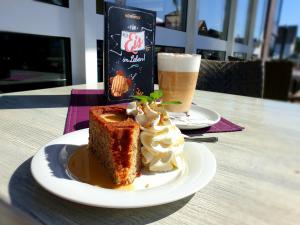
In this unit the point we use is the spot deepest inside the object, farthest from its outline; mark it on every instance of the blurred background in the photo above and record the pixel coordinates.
(49, 43)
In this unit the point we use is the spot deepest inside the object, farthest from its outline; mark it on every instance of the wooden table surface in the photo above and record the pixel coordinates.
(258, 169)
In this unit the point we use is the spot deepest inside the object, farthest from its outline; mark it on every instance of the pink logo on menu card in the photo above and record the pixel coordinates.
(133, 41)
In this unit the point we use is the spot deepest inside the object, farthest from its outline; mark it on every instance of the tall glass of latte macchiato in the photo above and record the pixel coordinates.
(177, 78)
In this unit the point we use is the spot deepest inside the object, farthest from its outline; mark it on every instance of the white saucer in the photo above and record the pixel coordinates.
(48, 167)
(197, 117)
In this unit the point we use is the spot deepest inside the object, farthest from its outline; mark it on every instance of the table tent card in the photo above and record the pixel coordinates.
(129, 52)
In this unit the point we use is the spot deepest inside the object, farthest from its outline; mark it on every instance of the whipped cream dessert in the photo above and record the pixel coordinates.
(162, 141)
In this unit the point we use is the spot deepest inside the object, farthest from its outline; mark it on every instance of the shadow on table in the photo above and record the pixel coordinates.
(45, 207)
(50, 101)
(33, 101)
(81, 125)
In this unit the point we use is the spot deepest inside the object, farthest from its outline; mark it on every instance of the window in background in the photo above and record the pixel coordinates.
(212, 55)
(241, 27)
(240, 55)
(100, 60)
(169, 13)
(63, 3)
(100, 6)
(33, 61)
(259, 27)
(213, 18)
(159, 48)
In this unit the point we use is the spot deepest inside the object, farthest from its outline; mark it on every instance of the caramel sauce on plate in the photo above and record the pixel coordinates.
(84, 166)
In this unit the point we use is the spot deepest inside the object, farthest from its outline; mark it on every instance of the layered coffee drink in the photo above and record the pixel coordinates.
(177, 78)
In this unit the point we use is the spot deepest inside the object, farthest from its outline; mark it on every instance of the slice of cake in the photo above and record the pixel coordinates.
(114, 139)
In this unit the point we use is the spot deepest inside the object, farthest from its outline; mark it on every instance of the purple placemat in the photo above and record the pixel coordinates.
(222, 126)
(82, 100)
(78, 112)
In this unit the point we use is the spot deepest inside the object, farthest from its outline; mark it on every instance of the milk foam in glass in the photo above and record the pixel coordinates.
(177, 78)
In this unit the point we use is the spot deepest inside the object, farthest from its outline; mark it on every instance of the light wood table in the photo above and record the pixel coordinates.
(258, 169)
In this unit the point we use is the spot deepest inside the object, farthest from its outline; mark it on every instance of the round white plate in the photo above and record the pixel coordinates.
(48, 167)
(197, 117)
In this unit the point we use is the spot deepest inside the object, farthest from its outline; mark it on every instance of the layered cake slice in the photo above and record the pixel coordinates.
(114, 140)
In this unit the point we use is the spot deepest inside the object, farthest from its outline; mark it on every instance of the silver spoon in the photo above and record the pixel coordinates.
(200, 138)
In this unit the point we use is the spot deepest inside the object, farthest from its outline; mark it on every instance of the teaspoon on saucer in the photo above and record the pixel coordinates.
(200, 138)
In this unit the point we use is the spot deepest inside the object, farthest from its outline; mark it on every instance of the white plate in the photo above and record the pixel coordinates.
(197, 117)
(48, 167)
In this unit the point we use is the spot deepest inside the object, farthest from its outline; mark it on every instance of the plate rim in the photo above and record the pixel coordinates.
(205, 152)
(191, 127)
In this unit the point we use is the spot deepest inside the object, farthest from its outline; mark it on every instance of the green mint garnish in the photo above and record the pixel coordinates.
(155, 95)
(171, 103)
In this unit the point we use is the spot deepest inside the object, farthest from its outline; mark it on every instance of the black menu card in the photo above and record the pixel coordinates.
(129, 52)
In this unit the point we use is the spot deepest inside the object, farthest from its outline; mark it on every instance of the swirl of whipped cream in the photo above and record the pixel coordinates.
(162, 141)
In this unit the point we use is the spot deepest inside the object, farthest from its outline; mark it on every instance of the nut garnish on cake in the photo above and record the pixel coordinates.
(162, 142)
